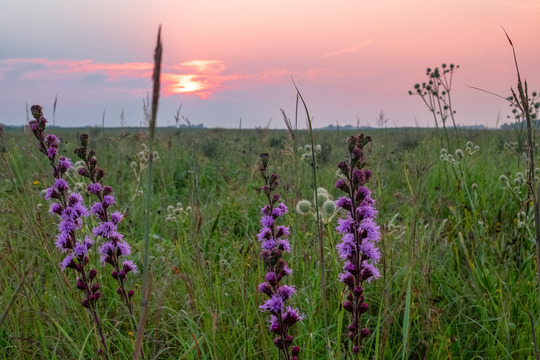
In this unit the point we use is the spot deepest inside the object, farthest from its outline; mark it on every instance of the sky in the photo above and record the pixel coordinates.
(232, 63)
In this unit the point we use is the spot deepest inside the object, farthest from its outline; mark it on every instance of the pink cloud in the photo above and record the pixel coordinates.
(348, 50)
(201, 78)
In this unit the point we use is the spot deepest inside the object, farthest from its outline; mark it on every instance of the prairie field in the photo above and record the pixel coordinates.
(458, 264)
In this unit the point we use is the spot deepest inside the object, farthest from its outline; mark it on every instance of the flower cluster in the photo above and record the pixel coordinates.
(359, 234)
(113, 247)
(322, 204)
(306, 152)
(69, 207)
(274, 242)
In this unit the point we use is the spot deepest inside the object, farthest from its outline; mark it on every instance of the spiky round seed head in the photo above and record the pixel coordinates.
(322, 195)
(503, 179)
(459, 154)
(329, 207)
(303, 207)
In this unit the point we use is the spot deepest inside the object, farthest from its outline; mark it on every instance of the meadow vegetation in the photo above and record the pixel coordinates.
(458, 267)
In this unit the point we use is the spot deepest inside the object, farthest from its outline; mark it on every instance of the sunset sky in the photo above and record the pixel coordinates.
(226, 60)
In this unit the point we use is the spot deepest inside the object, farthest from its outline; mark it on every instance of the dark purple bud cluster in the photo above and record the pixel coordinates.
(359, 235)
(274, 243)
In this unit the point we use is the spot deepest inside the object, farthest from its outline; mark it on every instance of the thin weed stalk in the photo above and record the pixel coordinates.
(152, 125)
(521, 100)
(319, 225)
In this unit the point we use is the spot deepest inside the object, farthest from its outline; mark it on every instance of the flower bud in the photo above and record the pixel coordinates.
(363, 308)
(130, 293)
(84, 140)
(80, 284)
(364, 333)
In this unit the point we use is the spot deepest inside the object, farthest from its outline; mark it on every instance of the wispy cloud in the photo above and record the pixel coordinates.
(348, 50)
(200, 77)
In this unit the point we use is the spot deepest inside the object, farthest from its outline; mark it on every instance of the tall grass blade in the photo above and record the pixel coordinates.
(319, 224)
(16, 292)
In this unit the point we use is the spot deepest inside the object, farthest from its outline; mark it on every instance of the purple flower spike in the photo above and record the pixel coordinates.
(274, 245)
(359, 234)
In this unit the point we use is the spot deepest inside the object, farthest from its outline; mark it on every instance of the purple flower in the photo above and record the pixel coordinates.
(271, 277)
(74, 198)
(116, 217)
(129, 265)
(80, 209)
(67, 226)
(371, 230)
(265, 288)
(370, 251)
(273, 305)
(80, 250)
(268, 244)
(286, 270)
(282, 231)
(274, 325)
(347, 246)
(123, 248)
(64, 163)
(116, 236)
(94, 188)
(279, 210)
(286, 291)
(283, 244)
(52, 140)
(345, 226)
(61, 185)
(267, 221)
(67, 262)
(265, 233)
(108, 200)
(107, 248)
(369, 271)
(51, 152)
(366, 212)
(97, 208)
(63, 242)
(105, 229)
(344, 203)
(55, 208)
(49, 193)
(291, 316)
(88, 242)
(69, 213)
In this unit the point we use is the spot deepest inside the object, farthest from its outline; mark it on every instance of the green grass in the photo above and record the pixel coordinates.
(458, 273)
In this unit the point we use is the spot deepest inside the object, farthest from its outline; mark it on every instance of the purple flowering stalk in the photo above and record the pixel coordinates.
(359, 234)
(71, 210)
(273, 243)
(113, 249)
